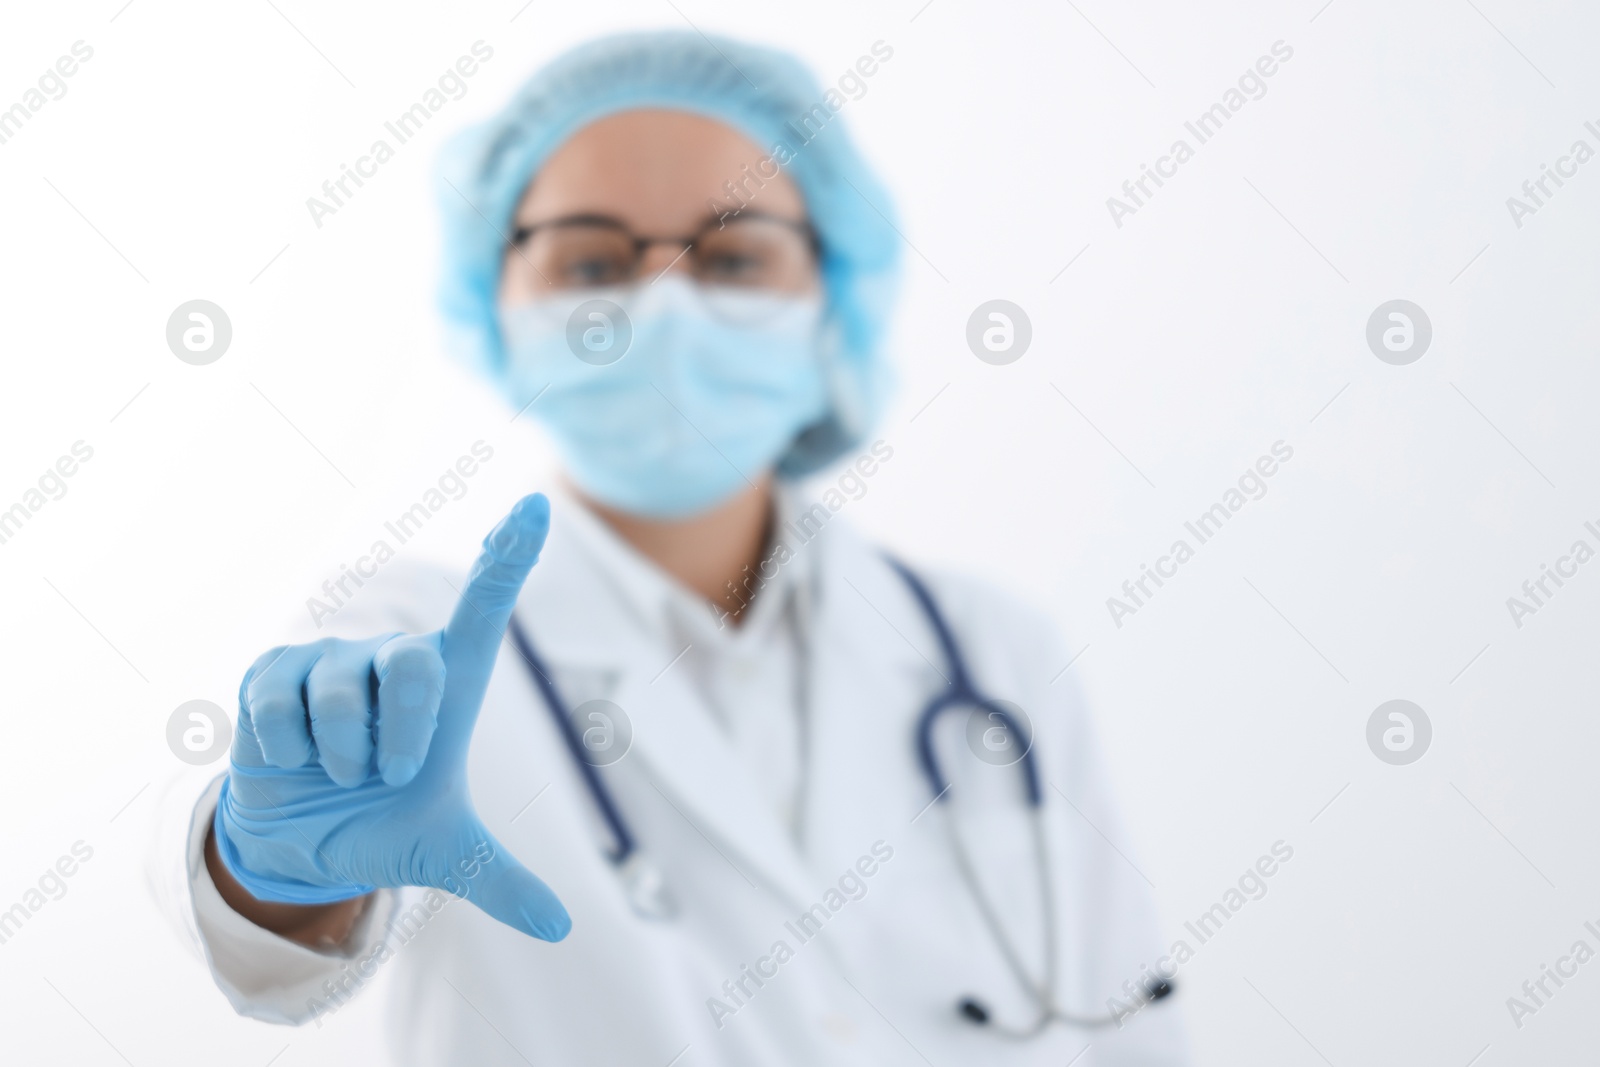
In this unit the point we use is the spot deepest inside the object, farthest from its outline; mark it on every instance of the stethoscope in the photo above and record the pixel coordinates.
(646, 889)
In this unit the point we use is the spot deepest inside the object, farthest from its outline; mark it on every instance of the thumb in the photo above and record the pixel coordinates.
(506, 890)
(471, 640)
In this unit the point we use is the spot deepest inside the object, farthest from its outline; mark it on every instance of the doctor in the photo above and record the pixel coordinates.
(707, 785)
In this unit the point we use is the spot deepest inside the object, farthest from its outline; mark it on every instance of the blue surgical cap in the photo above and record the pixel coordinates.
(768, 96)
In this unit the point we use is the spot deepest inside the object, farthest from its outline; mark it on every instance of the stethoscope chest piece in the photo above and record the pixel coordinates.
(646, 889)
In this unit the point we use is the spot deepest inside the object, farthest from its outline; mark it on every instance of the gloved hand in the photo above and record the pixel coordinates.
(349, 764)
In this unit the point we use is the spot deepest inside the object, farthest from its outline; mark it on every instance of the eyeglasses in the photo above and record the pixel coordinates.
(752, 251)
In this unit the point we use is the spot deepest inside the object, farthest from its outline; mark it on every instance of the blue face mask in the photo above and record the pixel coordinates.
(709, 392)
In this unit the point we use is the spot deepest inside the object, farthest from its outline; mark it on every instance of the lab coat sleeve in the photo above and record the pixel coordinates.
(1119, 925)
(265, 976)
(1109, 910)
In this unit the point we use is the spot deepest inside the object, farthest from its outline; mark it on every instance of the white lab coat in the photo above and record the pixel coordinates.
(877, 984)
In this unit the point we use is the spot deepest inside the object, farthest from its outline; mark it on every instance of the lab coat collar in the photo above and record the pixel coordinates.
(642, 601)
(872, 647)
(860, 778)
(836, 580)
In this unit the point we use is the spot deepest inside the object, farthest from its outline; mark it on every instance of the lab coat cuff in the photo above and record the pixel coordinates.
(265, 976)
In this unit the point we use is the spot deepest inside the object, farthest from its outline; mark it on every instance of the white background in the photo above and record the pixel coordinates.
(1222, 317)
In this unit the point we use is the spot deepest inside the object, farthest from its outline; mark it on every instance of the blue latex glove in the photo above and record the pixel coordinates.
(349, 765)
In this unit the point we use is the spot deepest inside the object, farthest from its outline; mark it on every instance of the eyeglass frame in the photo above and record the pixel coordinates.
(641, 245)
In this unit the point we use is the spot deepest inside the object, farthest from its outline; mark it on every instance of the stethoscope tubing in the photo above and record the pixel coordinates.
(623, 844)
(960, 692)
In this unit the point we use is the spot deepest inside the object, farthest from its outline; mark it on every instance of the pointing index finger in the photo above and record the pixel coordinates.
(472, 637)
(471, 640)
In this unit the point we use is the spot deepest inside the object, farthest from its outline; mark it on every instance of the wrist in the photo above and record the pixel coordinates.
(318, 927)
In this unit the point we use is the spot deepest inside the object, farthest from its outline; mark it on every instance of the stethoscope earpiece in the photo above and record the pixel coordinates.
(973, 1009)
